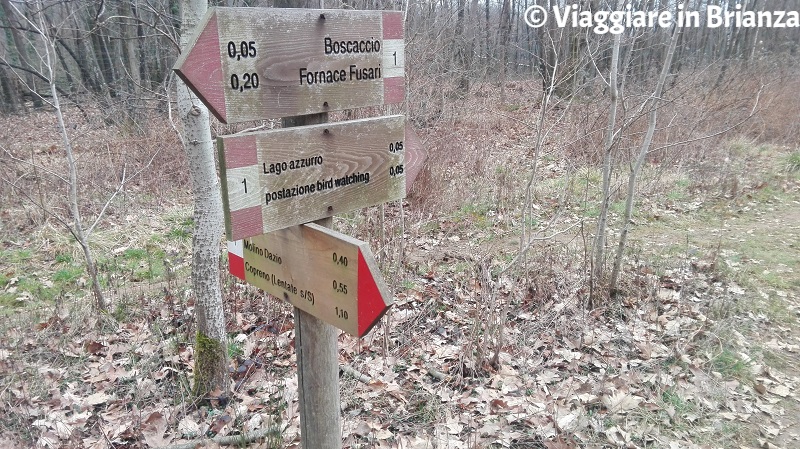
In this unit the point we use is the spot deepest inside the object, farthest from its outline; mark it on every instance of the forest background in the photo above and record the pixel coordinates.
(602, 249)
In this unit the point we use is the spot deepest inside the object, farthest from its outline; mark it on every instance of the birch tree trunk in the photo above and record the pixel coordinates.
(211, 358)
(648, 139)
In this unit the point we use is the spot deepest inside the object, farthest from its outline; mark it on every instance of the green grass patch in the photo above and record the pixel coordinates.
(618, 207)
(793, 162)
(591, 209)
(461, 267)
(7, 302)
(67, 275)
(127, 309)
(135, 264)
(766, 263)
(476, 214)
(16, 256)
(134, 254)
(730, 365)
(234, 349)
(407, 284)
(27, 289)
(423, 408)
(673, 399)
(63, 258)
(179, 233)
(680, 190)
(181, 229)
(777, 311)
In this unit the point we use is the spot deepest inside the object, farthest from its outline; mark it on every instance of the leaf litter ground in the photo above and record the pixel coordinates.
(701, 351)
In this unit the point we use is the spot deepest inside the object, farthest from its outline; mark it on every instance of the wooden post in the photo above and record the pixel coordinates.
(317, 360)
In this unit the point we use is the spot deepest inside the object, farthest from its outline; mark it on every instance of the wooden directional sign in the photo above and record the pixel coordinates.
(323, 272)
(284, 177)
(256, 63)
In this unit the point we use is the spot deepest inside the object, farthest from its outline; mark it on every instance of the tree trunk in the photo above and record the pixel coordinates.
(10, 102)
(548, 54)
(460, 53)
(648, 139)
(486, 39)
(76, 229)
(131, 59)
(505, 33)
(102, 56)
(11, 14)
(211, 358)
(600, 238)
(79, 56)
(9, 95)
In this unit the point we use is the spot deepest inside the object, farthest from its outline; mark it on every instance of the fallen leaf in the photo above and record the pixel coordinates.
(619, 402)
(93, 347)
(218, 424)
(188, 427)
(153, 429)
(781, 390)
(97, 398)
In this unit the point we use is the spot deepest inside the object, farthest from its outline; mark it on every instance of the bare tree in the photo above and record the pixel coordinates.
(77, 226)
(637, 167)
(600, 238)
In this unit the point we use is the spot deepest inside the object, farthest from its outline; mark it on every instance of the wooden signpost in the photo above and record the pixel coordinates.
(284, 177)
(323, 272)
(255, 63)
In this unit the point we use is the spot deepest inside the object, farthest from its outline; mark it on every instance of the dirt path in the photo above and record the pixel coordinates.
(756, 248)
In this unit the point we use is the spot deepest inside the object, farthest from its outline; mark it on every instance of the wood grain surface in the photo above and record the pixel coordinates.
(338, 168)
(320, 271)
(247, 63)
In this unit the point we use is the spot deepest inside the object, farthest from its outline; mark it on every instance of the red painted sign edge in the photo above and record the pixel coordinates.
(205, 81)
(370, 302)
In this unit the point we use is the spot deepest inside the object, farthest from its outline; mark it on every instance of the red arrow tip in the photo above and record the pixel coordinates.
(202, 69)
(371, 305)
